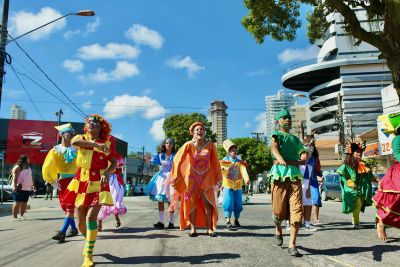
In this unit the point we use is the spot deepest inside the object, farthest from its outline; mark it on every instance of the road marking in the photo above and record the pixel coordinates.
(339, 261)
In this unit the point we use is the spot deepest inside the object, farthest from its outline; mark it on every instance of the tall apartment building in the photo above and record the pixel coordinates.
(274, 104)
(342, 74)
(217, 116)
(299, 116)
(17, 113)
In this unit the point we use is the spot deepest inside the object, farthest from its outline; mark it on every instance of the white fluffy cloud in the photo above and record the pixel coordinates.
(261, 121)
(85, 93)
(23, 21)
(185, 63)
(73, 65)
(68, 34)
(128, 106)
(122, 71)
(93, 26)
(109, 51)
(157, 131)
(144, 36)
(289, 55)
(87, 105)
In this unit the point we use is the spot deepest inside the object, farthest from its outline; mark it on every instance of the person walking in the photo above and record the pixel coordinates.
(195, 174)
(60, 167)
(89, 189)
(22, 185)
(157, 188)
(234, 176)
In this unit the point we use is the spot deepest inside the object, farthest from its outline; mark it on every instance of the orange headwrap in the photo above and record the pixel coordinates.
(197, 123)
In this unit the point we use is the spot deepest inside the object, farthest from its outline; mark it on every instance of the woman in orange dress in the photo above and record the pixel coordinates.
(195, 173)
(89, 189)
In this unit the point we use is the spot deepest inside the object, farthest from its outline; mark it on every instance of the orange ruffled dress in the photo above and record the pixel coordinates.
(86, 189)
(196, 170)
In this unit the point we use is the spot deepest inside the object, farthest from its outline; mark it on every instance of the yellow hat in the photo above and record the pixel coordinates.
(64, 128)
(390, 121)
(227, 144)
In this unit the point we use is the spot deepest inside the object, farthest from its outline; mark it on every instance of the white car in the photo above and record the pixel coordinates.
(7, 193)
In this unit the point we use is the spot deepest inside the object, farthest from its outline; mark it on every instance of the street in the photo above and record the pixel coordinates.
(28, 242)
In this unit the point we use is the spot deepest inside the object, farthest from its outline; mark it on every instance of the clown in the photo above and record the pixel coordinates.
(60, 166)
(234, 172)
(89, 189)
(355, 181)
(387, 197)
(195, 173)
(157, 188)
(286, 180)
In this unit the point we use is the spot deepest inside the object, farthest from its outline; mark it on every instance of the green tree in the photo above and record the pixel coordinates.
(177, 128)
(256, 154)
(281, 19)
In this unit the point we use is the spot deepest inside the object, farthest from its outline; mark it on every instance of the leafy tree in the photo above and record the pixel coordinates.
(371, 162)
(177, 128)
(280, 20)
(256, 154)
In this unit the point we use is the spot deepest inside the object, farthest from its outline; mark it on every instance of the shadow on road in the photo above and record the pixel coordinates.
(204, 259)
(376, 250)
(152, 236)
(343, 226)
(238, 233)
(129, 230)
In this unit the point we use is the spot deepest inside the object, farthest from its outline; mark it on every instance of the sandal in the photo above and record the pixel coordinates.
(294, 252)
(279, 240)
(194, 234)
(212, 234)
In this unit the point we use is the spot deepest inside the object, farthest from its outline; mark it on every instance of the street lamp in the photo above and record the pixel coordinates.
(4, 33)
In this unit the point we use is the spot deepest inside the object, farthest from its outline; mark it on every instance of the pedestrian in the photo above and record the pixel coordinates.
(234, 175)
(89, 189)
(23, 184)
(116, 183)
(195, 173)
(128, 188)
(355, 182)
(157, 187)
(310, 185)
(387, 197)
(49, 191)
(60, 167)
(286, 180)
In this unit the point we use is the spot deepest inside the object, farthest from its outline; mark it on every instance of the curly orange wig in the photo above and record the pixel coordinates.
(105, 126)
(197, 123)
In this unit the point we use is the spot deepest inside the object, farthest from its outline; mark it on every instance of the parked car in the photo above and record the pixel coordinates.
(7, 193)
(375, 185)
(330, 189)
(139, 190)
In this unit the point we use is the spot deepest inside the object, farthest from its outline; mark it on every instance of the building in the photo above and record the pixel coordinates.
(17, 113)
(274, 104)
(299, 116)
(343, 75)
(218, 117)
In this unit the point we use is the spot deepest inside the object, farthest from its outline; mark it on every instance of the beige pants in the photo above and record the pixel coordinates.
(287, 201)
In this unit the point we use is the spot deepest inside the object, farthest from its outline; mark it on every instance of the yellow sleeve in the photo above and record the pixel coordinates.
(179, 167)
(243, 172)
(49, 168)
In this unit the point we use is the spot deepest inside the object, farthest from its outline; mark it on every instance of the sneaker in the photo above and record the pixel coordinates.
(22, 218)
(72, 232)
(310, 228)
(294, 252)
(317, 223)
(14, 219)
(159, 225)
(278, 240)
(230, 226)
(237, 224)
(60, 237)
(171, 226)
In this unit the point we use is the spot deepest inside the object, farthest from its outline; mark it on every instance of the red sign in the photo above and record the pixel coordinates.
(31, 138)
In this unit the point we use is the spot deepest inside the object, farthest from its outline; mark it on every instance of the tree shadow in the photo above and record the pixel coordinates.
(3, 230)
(151, 236)
(47, 219)
(256, 227)
(343, 226)
(257, 204)
(377, 250)
(203, 259)
(242, 234)
(129, 230)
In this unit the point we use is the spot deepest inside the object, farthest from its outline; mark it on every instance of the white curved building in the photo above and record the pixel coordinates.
(345, 68)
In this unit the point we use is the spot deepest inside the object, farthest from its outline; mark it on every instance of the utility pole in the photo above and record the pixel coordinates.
(142, 163)
(351, 130)
(3, 42)
(257, 134)
(342, 140)
(58, 114)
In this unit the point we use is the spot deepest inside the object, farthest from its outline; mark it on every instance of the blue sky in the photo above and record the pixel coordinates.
(136, 61)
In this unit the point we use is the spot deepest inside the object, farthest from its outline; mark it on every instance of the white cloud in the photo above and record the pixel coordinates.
(128, 106)
(289, 55)
(157, 131)
(92, 26)
(261, 121)
(109, 51)
(247, 124)
(73, 65)
(87, 105)
(23, 21)
(105, 99)
(144, 36)
(69, 34)
(85, 93)
(185, 63)
(122, 71)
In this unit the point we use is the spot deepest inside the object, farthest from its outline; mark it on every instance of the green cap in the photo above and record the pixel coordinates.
(283, 113)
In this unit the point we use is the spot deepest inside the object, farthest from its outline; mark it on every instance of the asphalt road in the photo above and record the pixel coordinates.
(28, 243)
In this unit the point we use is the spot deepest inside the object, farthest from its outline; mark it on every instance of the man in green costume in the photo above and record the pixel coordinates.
(356, 183)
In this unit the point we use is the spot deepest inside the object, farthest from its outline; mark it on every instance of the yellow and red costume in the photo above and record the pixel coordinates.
(196, 171)
(86, 189)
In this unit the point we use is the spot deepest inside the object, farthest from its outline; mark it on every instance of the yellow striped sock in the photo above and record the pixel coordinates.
(91, 235)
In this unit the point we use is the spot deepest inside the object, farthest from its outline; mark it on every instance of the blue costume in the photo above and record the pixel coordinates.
(157, 188)
(310, 171)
